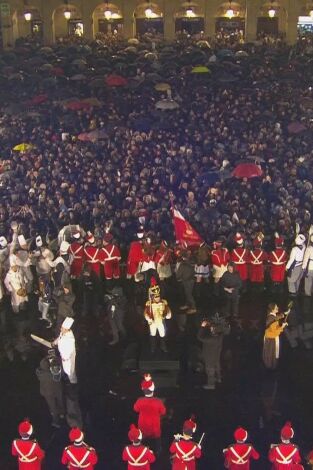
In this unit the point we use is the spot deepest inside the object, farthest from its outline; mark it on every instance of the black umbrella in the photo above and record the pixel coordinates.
(228, 79)
(208, 178)
(153, 77)
(142, 124)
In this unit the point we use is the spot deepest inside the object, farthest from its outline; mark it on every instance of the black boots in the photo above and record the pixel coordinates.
(163, 345)
(152, 343)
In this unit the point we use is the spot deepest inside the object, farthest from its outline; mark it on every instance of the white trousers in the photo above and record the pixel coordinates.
(157, 327)
(69, 369)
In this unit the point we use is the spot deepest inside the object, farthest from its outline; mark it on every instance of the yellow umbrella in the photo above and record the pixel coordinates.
(203, 44)
(162, 87)
(200, 69)
(23, 147)
(133, 41)
(92, 101)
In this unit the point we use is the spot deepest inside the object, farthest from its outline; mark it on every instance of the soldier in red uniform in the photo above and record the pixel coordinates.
(91, 254)
(285, 456)
(137, 455)
(76, 251)
(278, 259)
(237, 456)
(257, 257)
(150, 410)
(28, 452)
(185, 451)
(79, 454)
(240, 257)
(135, 256)
(219, 259)
(110, 257)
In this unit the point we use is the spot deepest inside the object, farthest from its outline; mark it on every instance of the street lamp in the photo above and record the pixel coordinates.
(230, 11)
(189, 11)
(311, 10)
(271, 11)
(27, 12)
(67, 11)
(27, 15)
(107, 12)
(149, 11)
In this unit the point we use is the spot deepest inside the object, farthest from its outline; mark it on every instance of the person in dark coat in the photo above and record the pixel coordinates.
(230, 284)
(211, 335)
(116, 306)
(51, 388)
(64, 299)
(185, 274)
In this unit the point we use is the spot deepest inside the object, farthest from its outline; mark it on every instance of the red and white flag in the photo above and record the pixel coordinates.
(184, 231)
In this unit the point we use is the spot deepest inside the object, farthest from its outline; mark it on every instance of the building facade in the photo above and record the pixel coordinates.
(50, 20)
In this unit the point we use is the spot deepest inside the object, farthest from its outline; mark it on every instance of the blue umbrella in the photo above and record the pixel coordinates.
(209, 178)
(222, 53)
(142, 124)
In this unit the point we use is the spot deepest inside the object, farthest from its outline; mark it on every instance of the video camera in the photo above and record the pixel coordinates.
(54, 365)
(216, 324)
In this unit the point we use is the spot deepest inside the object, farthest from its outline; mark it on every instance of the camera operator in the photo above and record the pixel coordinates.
(51, 388)
(115, 307)
(211, 334)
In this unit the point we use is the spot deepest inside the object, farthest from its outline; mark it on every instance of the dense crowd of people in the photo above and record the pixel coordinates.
(141, 158)
(100, 144)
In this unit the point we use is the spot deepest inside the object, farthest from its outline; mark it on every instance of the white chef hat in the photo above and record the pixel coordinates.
(38, 241)
(64, 247)
(300, 239)
(21, 240)
(68, 322)
(3, 242)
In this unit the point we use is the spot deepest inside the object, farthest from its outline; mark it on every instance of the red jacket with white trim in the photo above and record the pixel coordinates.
(284, 456)
(238, 456)
(79, 457)
(138, 457)
(185, 453)
(29, 454)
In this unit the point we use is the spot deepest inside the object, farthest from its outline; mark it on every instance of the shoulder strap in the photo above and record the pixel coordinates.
(185, 455)
(77, 462)
(134, 460)
(25, 457)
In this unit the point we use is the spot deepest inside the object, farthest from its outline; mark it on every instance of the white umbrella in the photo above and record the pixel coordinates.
(166, 105)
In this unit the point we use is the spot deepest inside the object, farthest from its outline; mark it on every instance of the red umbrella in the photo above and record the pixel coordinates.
(116, 80)
(296, 127)
(97, 134)
(77, 105)
(57, 71)
(38, 99)
(84, 137)
(247, 170)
